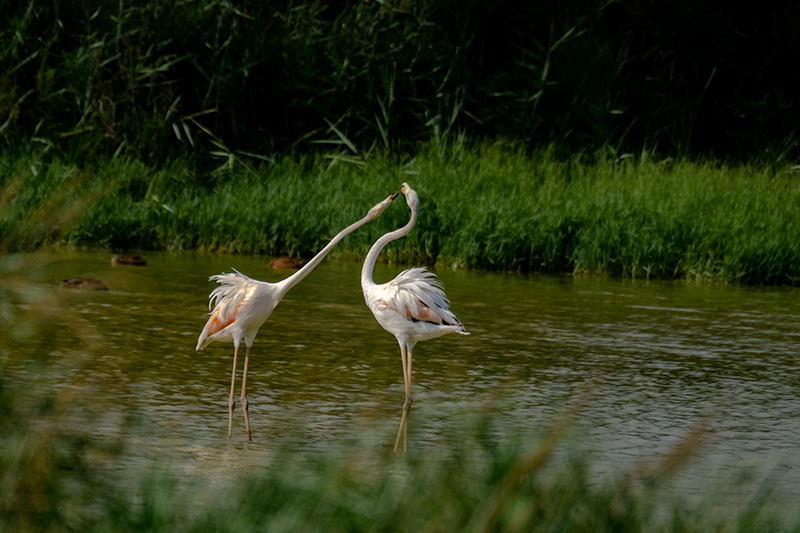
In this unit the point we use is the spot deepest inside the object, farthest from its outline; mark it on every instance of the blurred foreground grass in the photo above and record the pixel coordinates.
(487, 206)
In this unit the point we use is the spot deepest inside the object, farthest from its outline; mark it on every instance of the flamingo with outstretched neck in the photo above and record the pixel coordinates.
(241, 305)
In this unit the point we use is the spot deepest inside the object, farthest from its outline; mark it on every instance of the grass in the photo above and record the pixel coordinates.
(485, 206)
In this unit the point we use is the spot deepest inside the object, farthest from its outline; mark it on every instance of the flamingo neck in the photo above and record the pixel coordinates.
(297, 277)
(372, 255)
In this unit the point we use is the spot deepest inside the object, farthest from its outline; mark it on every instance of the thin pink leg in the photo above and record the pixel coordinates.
(407, 376)
(245, 403)
(231, 403)
(408, 370)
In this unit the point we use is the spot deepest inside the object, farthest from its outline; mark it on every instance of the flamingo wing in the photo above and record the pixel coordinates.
(417, 294)
(226, 301)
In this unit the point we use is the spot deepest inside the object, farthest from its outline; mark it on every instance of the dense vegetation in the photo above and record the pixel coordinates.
(489, 206)
(253, 79)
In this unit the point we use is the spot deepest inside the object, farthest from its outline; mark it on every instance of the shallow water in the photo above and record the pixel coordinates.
(650, 360)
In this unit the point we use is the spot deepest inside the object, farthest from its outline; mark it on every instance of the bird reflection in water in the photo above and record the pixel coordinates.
(402, 433)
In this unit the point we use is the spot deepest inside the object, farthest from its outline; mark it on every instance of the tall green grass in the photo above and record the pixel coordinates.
(486, 206)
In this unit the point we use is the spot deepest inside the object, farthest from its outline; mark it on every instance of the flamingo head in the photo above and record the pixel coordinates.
(411, 196)
(379, 207)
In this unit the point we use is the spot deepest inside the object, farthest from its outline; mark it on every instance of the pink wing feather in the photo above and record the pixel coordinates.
(234, 291)
(418, 295)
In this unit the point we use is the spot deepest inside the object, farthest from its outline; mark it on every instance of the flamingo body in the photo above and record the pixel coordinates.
(239, 307)
(412, 306)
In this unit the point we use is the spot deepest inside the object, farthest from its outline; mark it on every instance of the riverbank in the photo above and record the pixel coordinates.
(488, 206)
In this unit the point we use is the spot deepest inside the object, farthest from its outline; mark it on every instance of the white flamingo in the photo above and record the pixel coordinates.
(412, 306)
(243, 304)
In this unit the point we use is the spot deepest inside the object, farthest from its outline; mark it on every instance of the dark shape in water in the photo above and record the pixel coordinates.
(286, 263)
(128, 259)
(82, 282)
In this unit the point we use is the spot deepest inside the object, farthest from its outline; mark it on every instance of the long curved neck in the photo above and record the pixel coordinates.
(297, 277)
(372, 255)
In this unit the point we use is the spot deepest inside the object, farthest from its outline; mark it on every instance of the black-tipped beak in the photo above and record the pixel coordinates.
(394, 196)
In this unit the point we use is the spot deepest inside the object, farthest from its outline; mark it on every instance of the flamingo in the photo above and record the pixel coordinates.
(241, 305)
(413, 306)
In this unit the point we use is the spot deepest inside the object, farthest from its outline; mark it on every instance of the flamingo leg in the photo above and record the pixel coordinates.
(245, 403)
(408, 377)
(231, 403)
(402, 432)
(405, 375)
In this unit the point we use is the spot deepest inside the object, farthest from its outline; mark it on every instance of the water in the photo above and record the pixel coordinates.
(651, 360)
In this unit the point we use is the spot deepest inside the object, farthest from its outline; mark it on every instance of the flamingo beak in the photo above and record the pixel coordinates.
(394, 196)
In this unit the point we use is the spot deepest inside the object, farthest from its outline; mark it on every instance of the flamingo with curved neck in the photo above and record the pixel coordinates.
(412, 306)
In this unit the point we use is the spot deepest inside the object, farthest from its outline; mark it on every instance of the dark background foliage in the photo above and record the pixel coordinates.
(160, 77)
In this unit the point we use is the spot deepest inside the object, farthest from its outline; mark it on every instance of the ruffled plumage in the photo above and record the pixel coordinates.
(227, 303)
(417, 294)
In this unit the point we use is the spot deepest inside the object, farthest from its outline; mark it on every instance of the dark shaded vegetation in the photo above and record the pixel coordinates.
(250, 79)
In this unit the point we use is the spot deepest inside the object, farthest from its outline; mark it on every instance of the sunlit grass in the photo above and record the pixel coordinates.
(488, 206)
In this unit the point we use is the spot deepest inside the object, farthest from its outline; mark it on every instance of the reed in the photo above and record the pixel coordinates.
(245, 79)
